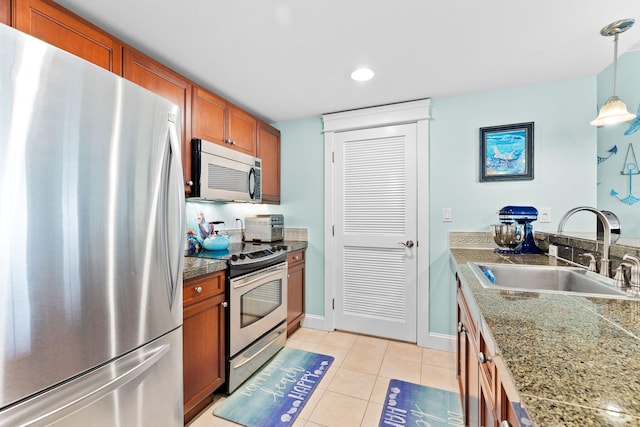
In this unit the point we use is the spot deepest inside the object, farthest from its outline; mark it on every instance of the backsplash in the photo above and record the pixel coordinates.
(570, 248)
(208, 212)
(573, 248)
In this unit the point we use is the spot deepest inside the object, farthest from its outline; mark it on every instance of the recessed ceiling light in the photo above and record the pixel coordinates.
(362, 74)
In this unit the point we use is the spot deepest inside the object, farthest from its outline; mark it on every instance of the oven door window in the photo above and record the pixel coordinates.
(260, 301)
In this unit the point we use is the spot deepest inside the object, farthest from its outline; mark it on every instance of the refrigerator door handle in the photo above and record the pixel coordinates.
(89, 389)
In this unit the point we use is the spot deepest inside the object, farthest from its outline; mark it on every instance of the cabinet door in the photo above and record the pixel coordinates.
(472, 404)
(203, 350)
(5, 12)
(269, 152)
(52, 23)
(208, 116)
(159, 79)
(295, 291)
(242, 130)
(487, 415)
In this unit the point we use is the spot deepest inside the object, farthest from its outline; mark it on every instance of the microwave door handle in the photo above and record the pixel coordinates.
(252, 183)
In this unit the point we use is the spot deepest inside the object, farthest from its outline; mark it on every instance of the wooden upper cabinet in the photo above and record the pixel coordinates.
(208, 116)
(218, 121)
(52, 23)
(269, 152)
(163, 81)
(242, 130)
(5, 12)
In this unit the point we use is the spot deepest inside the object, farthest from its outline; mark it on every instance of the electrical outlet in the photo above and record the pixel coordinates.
(553, 250)
(545, 215)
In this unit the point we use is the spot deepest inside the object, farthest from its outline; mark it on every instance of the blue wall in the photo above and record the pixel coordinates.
(609, 176)
(564, 168)
(565, 173)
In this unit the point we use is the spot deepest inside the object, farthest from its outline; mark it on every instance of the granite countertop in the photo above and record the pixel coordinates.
(195, 267)
(575, 361)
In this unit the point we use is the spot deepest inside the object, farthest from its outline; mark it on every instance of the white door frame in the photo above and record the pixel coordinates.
(407, 112)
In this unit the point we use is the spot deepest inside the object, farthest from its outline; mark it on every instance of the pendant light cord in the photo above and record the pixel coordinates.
(615, 63)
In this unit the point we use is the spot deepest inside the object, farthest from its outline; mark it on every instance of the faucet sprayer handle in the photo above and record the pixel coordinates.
(635, 271)
(592, 261)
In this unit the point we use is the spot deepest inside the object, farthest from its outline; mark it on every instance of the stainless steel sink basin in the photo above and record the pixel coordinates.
(546, 279)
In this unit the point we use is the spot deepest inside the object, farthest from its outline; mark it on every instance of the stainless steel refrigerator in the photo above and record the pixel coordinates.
(91, 244)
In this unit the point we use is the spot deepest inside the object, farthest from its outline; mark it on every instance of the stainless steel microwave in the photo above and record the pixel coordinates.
(222, 174)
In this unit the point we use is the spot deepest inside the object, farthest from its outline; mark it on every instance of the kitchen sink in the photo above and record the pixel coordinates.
(546, 279)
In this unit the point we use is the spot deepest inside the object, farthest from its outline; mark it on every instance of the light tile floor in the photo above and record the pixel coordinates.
(352, 391)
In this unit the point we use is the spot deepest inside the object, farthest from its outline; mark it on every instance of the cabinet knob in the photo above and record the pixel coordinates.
(224, 304)
(189, 183)
(198, 289)
(296, 257)
(230, 141)
(483, 359)
(505, 423)
(461, 327)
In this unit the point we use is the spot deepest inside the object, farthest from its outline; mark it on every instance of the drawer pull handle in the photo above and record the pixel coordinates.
(198, 289)
(483, 359)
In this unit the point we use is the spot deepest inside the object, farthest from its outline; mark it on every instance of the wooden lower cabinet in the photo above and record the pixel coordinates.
(484, 399)
(203, 333)
(56, 25)
(295, 290)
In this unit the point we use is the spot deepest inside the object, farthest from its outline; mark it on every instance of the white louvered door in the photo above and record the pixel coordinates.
(376, 211)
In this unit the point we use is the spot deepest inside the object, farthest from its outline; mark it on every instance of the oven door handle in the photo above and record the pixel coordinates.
(261, 276)
(257, 353)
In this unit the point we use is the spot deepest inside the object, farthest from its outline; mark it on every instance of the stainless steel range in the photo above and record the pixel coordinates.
(256, 326)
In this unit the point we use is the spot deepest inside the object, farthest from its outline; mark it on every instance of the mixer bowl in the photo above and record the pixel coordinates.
(508, 235)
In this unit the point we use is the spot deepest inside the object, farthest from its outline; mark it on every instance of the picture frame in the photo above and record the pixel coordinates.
(506, 152)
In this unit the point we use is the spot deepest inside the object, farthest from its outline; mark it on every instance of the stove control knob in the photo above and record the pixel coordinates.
(234, 257)
(242, 256)
(274, 249)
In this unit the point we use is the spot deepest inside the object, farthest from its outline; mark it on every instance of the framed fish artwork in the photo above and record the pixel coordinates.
(506, 152)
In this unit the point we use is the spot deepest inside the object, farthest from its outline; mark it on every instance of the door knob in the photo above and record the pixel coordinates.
(407, 244)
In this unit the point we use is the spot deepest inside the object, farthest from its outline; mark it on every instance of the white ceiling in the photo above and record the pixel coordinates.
(290, 59)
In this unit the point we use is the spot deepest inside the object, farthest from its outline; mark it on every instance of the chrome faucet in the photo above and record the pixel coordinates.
(604, 261)
(635, 273)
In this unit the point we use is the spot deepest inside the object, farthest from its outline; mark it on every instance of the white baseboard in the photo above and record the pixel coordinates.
(440, 342)
(433, 341)
(315, 322)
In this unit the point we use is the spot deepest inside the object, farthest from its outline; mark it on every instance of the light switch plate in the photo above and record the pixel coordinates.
(553, 250)
(446, 214)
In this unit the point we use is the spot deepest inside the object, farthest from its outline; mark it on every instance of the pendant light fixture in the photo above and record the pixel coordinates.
(614, 110)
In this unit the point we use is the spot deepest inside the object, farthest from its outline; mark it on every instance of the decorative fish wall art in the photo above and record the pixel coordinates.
(613, 150)
(635, 124)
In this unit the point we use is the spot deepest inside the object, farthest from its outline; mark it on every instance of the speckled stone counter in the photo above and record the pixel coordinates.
(194, 267)
(575, 361)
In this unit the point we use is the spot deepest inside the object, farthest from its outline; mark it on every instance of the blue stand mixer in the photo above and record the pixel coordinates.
(514, 234)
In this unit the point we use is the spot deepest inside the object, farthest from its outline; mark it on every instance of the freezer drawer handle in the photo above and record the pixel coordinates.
(87, 398)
